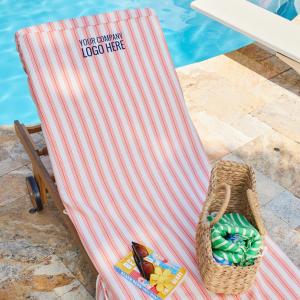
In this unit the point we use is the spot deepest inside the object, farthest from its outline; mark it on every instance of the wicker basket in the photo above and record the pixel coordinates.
(231, 189)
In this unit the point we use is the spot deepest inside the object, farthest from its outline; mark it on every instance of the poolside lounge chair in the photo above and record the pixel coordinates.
(127, 161)
(265, 27)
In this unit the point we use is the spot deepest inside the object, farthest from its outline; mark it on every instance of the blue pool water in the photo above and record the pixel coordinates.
(191, 37)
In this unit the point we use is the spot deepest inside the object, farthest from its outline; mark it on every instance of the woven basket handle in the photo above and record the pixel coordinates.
(253, 203)
(223, 207)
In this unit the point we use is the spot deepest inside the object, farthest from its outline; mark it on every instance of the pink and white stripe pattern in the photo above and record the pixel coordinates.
(127, 160)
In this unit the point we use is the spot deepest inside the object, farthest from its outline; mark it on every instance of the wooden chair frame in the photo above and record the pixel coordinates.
(46, 182)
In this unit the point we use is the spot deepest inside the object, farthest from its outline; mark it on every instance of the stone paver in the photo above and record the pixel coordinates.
(227, 66)
(50, 279)
(210, 90)
(74, 287)
(7, 165)
(12, 185)
(267, 68)
(281, 233)
(219, 138)
(245, 106)
(289, 80)
(34, 247)
(287, 207)
(283, 116)
(255, 52)
(269, 91)
(251, 126)
(276, 156)
(76, 293)
(267, 189)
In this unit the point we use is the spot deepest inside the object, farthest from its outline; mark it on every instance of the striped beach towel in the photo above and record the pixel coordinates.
(235, 240)
(128, 162)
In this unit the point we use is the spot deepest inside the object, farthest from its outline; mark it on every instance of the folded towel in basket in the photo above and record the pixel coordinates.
(235, 240)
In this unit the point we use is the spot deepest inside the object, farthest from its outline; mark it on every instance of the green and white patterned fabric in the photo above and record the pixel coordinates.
(235, 240)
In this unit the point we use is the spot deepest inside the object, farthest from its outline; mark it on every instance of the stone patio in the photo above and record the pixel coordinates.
(245, 106)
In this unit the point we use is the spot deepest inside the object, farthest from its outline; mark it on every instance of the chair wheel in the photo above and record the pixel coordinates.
(32, 210)
(34, 193)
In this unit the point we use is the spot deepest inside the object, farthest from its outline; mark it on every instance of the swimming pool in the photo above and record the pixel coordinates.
(191, 37)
